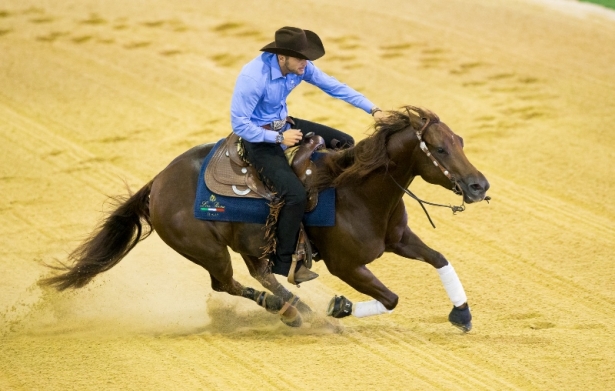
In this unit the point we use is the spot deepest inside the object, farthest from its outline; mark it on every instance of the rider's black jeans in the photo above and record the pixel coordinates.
(334, 138)
(270, 162)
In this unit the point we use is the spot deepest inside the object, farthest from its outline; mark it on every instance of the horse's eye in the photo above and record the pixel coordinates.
(442, 151)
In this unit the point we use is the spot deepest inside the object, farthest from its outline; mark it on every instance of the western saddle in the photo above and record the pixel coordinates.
(229, 174)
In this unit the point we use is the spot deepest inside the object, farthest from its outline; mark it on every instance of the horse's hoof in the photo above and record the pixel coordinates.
(291, 317)
(339, 307)
(461, 318)
(305, 311)
(463, 327)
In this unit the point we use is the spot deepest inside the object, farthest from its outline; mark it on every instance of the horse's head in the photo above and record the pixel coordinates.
(442, 160)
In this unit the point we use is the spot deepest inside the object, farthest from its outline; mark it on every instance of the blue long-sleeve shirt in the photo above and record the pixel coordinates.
(261, 90)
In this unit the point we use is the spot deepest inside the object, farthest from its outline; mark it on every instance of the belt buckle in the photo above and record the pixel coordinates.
(278, 124)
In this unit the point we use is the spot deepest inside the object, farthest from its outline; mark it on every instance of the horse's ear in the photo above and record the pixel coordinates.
(416, 117)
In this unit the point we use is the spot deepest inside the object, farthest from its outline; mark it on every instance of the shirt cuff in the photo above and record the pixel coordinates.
(367, 106)
(269, 136)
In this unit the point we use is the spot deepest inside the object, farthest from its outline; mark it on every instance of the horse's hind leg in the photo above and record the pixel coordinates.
(221, 274)
(259, 269)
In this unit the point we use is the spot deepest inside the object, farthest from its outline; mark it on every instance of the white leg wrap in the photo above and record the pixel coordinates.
(452, 285)
(369, 308)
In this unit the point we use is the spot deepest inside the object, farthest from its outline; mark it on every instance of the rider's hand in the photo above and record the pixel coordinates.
(292, 137)
(378, 115)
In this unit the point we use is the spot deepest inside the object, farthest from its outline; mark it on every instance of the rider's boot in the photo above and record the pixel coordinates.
(303, 274)
(281, 265)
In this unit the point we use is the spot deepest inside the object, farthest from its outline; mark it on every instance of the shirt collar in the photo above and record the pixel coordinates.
(276, 72)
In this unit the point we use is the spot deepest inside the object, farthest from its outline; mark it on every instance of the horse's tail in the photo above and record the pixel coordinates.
(111, 241)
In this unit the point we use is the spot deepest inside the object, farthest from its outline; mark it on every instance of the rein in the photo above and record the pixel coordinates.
(455, 209)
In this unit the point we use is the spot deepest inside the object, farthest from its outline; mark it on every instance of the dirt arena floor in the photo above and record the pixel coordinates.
(96, 94)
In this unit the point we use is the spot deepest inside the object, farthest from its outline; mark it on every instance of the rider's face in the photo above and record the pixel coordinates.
(292, 65)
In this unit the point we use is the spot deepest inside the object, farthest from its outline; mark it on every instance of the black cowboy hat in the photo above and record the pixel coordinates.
(296, 42)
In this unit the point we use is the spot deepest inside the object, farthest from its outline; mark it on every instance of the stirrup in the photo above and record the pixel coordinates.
(291, 273)
(304, 248)
(303, 253)
(303, 274)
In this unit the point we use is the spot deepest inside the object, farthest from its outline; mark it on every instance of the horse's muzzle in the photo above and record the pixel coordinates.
(474, 189)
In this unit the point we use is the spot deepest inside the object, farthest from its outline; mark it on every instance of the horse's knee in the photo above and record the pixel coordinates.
(437, 260)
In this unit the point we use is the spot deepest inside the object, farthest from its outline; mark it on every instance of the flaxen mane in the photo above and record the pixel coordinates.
(370, 154)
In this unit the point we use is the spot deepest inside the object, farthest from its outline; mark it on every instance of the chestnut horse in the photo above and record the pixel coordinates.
(370, 179)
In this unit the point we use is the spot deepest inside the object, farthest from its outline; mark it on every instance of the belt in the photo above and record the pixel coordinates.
(278, 124)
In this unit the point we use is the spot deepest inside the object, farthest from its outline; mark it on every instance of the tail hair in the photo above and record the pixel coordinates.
(109, 243)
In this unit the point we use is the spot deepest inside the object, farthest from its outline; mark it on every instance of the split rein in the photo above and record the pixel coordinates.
(457, 189)
(454, 208)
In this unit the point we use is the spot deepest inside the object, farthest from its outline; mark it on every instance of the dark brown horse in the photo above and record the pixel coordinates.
(371, 219)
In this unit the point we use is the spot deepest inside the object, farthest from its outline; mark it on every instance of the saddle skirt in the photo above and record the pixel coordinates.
(228, 174)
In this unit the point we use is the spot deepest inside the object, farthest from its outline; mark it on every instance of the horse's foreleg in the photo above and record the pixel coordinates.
(364, 281)
(411, 246)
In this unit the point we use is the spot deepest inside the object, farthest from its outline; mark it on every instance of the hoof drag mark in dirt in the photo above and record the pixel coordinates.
(344, 51)
(155, 23)
(123, 32)
(227, 60)
(238, 30)
(227, 27)
(81, 39)
(170, 52)
(395, 50)
(137, 45)
(174, 25)
(467, 67)
(94, 20)
(516, 98)
(42, 20)
(53, 36)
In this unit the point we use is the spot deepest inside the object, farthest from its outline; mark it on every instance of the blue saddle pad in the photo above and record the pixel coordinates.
(214, 207)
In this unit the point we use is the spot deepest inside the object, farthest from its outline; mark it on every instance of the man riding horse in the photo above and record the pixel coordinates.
(259, 115)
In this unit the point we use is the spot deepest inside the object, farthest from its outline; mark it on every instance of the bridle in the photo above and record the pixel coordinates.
(456, 188)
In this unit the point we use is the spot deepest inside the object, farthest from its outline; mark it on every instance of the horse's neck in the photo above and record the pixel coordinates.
(384, 186)
(401, 149)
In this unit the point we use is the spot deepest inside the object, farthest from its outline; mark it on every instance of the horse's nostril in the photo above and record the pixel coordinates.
(475, 187)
